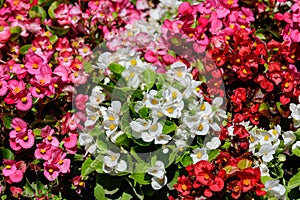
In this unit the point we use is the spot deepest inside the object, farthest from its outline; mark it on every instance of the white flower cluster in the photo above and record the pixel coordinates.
(174, 99)
(295, 109)
(159, 178)
(266, 142)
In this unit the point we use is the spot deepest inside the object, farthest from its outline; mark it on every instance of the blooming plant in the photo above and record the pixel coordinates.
(137, 99)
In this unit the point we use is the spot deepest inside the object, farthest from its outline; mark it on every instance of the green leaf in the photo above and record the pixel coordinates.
(186, 160)
(122, 140)
(57, 30)
(260, 36)
(24, 49)
(116, 68)
(53, 39)
(88, 68)
(296, 151)
(294, 181)
(86, 169)
(37, 132)
(264, 109)
(244, 163)
(213, 154)
(139, 178)
(169, 127)
(51, 9)
(7, 121)
(37, 12)
(126, 196)
(99, 192)
(149, 77)
(144, 112)
(15, 32)
(7, 154)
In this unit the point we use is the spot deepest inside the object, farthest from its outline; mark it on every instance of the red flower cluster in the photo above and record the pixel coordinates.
(224, 175)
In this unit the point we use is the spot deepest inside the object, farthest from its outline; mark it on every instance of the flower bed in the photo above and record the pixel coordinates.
(150, 99)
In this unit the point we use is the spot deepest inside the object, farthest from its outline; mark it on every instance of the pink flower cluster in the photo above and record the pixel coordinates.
(13, 171)
(292, 19)
(21, 137)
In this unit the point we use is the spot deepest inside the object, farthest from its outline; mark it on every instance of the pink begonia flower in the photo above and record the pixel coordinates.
(13, 171)
(150, 56)
(70, 143)
(9, 167)
(229, 3)
(47, 134)
(4, 32)
(16, 86)
(216, 24)
(79, 77)
(3, 87)
(45, 75)
(80, 101)
(34, 63)
(295, 35)
(60, 160)
(24, 103)
(51, 171)
(84, 51)
(19, 126)
(19, 70)
(43, 151)
(62, 72)
(25, 140)
(37, 91)
(142, 4)
(65, 59)
(62, 14)
(63, 44)
(185, 8)
(16, 191)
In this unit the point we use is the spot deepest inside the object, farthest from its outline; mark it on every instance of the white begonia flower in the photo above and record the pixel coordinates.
(92, 109)
(91, 120)
(190, 87)
(289, 138)
(178, 71)
(199, 154)
(181, 144)
(214, 143)
(264, 170)
(112, 164)
(139, 126)
(190, 120)
(201, 128)
(88, 142)
(173, 110)
(171, 94)
(159, 175)
(97, 96)
(150, 100)
(111, 159)
(296, 145)
(219, 113)
(266, 151)
(154, 130)
(158, 183)
(111, 118)
(275, 132)
(295, 109)
(265, 138)
(205, 109)
(162, 139)
(275, 189)
(132, 78)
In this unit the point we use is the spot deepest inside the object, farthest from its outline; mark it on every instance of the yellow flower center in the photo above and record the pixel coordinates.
(18, 129)
(24, 99)
(25, 138)
(183, 187)
(133, 62)
(43, 151)
(8, 167)
(35, 66)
